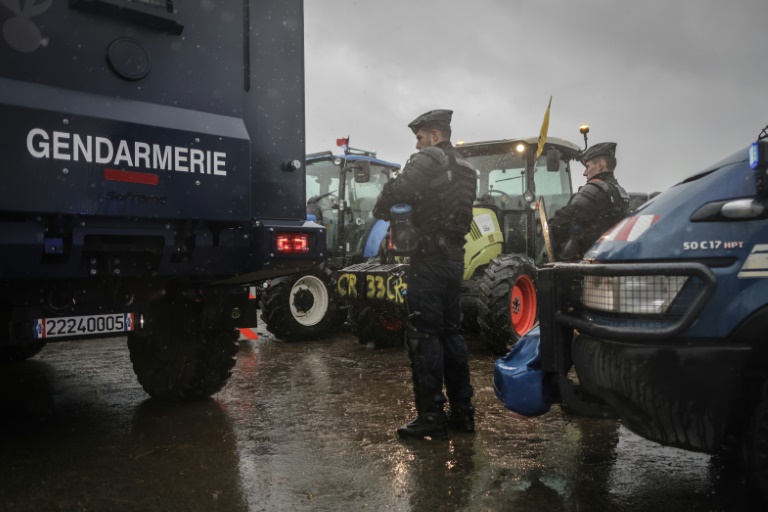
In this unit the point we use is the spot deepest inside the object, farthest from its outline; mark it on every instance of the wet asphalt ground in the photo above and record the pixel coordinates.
(311, 427)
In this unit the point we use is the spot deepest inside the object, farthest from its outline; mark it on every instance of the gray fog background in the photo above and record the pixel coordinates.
(678, 84)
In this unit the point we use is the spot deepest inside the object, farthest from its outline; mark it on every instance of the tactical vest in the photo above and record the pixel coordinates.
(619, 197)
(444, 214)
(618, 209)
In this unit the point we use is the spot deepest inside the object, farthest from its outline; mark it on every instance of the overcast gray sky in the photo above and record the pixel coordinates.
(678, 84)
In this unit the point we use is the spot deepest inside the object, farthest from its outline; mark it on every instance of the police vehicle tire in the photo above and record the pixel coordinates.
(19, 353)
(173, 365)
(381, 326)
(507, 306)
(755, 446)
(302, 307)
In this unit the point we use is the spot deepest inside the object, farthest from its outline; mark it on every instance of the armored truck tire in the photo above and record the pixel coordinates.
(302, 307)
(174, 364)
(507, 305)
(382, 326)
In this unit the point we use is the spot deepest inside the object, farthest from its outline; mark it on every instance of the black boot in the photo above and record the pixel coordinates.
(432, 425)
(462, 417)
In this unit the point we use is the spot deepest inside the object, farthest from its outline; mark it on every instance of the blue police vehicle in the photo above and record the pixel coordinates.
(665, 320)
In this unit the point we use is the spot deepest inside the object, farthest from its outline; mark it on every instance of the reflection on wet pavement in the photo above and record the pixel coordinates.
(311, 426)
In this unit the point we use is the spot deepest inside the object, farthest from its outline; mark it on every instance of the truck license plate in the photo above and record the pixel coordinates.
(81, 325)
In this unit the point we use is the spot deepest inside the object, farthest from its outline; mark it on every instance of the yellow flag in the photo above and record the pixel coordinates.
(544, 128)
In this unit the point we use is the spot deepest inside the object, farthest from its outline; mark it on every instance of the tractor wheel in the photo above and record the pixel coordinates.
(470, 293)
(302, 307)
(755, 444)
(19, 353)
(507, 305)
(172, 364)
(382, 326)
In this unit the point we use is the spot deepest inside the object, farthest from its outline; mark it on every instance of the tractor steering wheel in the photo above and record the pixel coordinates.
(548, 243)
(505, 198)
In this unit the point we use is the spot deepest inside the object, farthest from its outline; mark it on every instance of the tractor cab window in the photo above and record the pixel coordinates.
(322, 181)
(361, 197)
(500, 180)
(554, 187)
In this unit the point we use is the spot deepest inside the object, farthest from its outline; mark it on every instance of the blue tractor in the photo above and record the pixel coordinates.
(665, 320)
(341, 191)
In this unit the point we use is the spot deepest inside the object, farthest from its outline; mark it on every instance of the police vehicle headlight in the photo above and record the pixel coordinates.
(631, 294)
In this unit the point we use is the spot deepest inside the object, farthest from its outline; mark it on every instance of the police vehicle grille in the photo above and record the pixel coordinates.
(632, 301)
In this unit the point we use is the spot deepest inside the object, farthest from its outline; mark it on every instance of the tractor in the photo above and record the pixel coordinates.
(503, 249)
(341, 192)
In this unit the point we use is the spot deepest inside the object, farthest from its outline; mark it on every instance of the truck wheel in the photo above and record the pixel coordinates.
(755, 445)
(302, 307)
(382, 326)
(507, 305)
(173, 365)
(18, 353)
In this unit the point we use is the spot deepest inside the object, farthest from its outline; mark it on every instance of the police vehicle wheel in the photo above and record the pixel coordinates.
(302, 307)
(507, 305)
(19, 353)
(755, 446)
(384, 327)
(172, 364)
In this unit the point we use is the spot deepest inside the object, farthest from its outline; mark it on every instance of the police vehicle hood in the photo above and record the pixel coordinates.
(662, 229)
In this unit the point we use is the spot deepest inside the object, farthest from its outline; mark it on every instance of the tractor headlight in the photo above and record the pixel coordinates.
(631, 294)
(528, 196)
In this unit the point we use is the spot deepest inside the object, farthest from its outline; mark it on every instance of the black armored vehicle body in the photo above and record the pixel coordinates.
(152, 169)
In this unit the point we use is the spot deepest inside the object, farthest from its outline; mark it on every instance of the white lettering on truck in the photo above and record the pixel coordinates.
(94, 149)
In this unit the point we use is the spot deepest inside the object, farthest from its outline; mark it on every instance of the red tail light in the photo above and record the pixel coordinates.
(292, 243)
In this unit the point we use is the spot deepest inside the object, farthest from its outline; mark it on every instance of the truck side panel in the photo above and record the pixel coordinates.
(114, 116)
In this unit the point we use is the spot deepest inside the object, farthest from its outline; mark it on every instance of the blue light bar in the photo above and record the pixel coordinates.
(754, 155)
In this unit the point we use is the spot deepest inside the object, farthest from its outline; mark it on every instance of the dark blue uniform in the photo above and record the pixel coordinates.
(590, 212)
(441, 189)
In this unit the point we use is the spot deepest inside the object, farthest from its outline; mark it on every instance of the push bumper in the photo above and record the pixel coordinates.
(676, 392)
(665, 387)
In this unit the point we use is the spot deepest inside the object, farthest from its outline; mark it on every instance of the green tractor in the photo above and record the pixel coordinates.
(341, 192)
(503, 249)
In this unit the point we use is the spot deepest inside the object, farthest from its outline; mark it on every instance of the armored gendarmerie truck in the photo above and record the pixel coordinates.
(152, 168)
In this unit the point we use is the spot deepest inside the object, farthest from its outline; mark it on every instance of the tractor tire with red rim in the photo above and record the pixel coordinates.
(507, 306)
(383, 326)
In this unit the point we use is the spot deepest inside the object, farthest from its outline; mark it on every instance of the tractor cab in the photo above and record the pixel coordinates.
(341, 192)
(510, 181)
